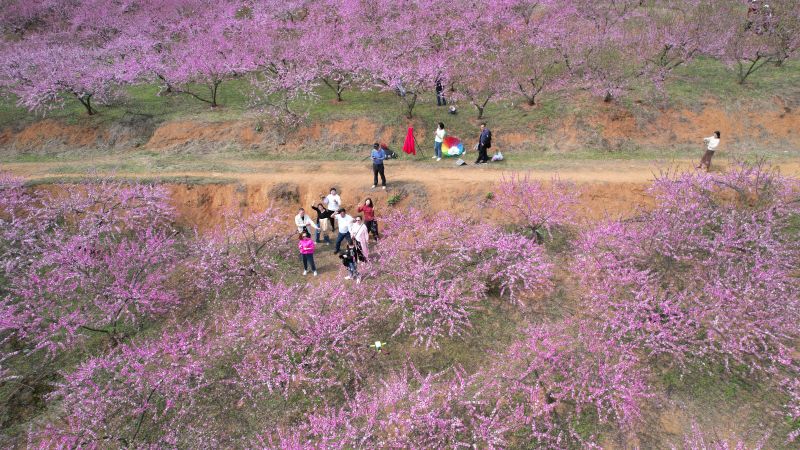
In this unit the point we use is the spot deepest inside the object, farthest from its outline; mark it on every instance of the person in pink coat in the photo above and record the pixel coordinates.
(306, 246)
(360, 233)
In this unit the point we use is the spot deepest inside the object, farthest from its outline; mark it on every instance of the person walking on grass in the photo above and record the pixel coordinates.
(360, 235)
(344, 222)
(303, 222)
(324, 218)
(378, 156)
(484, 143)
(306, 246)
(368, 208)
(350, 260)
(437, 141)
(712, 142)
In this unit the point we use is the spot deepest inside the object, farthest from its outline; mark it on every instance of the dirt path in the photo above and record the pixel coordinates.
(577, 170)
(608, 187)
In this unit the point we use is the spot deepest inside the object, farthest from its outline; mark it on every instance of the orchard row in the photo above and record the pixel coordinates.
(208, 344)
(474, 52)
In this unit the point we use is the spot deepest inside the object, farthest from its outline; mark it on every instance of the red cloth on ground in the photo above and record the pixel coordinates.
(408, 145)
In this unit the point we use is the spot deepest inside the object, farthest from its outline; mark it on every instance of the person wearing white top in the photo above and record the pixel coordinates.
(333, 202)
(344, 221)
(712, 142)
(303, 221)
(437, 142)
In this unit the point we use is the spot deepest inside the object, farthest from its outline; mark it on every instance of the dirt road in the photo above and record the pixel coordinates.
(608, 187)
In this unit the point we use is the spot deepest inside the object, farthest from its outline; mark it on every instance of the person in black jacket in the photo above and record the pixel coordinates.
(350, 260)
(440, 100)
(484, 143)
(324, 219)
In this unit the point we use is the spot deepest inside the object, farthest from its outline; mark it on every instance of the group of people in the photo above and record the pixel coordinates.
(483, 145)
(355, 230)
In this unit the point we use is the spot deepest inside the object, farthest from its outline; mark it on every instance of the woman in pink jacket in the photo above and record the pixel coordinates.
(306, 246)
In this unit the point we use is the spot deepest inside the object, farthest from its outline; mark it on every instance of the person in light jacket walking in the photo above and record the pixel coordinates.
(302, 221)
(712, 142)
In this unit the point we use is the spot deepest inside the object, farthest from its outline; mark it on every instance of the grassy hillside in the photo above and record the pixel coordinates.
(690, 86)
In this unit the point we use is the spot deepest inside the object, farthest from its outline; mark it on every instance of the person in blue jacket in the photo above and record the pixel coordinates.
(378, 156)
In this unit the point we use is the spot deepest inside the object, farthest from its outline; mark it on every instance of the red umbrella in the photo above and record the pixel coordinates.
(409, 145)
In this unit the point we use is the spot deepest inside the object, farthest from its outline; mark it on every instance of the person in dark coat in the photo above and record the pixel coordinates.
(440, 100)
(484, 143)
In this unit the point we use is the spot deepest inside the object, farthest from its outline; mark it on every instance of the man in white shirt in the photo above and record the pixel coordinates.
(333, 202)
(344, 221)
(712, 144)
(303, 222)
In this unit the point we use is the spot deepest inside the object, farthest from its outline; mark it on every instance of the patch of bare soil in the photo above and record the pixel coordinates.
(607, 126)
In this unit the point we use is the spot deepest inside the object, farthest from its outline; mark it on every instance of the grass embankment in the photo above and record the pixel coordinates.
(691, 87)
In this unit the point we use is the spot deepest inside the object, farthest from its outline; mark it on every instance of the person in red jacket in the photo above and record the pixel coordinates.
(368, 208)
(306, 246)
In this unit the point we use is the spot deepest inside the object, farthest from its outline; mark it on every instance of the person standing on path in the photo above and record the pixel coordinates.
(303, 222)
(344, 222)
(712, 144)
(368, 208)
(306, 246)
(324, 218)
(437, 141)
(378, 156)
(484, 143)
(360, 235)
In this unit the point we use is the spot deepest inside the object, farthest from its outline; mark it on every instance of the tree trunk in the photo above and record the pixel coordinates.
(339, 90)
(214, 89)
(608, 97)
(336, 89)
(86, 101)
(410, 104)
(757, 63)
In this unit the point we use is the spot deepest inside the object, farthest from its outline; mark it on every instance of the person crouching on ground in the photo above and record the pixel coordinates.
(344, 222)
(712, 143)
(349, 260)
(306, 246)
(368, 208)
(302, 221)
(378, 156)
